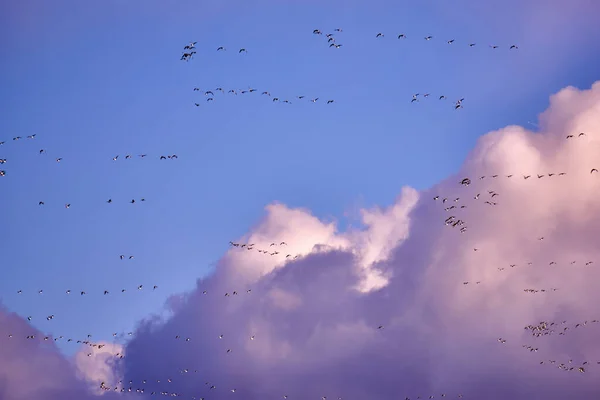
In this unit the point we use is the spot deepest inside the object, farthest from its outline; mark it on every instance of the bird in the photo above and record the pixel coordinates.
(451, 41)
(379, 35)
(402, 36)
(220, 48)
(242, 50)
(593, 170)
(428, 37)
(514, 46)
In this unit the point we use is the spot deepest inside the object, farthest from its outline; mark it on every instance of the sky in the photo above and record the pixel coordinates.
(348, 186)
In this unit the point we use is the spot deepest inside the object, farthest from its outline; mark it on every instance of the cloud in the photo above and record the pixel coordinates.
(309, 326)
(34, 369)
(315, 319)
(98, 365)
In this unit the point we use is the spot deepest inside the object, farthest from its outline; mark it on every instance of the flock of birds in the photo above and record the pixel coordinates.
(451, 205)
(210, 95)
(190, 50)
(59, 159)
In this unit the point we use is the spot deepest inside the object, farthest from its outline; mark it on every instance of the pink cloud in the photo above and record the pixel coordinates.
(309, 326)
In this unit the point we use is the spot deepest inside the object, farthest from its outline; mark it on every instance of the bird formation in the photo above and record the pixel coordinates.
(403, 36)
(83, 292)
(268, 251)
(190, 49)
(540, 290)
(546, 328)
(568, 366)
(210, 95)
(330, 37)
(586, 263)
(416, 99)
(109, 201)
(162, 157)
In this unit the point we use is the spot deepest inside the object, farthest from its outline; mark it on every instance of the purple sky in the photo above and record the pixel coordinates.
(369, 296)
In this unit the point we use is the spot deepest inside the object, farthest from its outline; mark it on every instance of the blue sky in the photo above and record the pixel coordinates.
(99, 79)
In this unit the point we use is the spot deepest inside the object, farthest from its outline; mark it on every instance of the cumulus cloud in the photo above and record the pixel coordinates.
(315, 318)
(309, 326)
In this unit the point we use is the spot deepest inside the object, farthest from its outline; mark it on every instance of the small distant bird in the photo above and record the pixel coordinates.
(67, 205)
(220, 48)
(428, 37)
(379, 35)
(329, 101)
(514, 46)
(451, 41)
(243, 51)
(593, 170)
(402, 36)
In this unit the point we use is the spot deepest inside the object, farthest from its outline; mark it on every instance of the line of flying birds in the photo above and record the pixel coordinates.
(190, 49)
(331, 39)
(264, 251)
(83, 292)
(109, 201)
(457, 104)
(210, 95)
